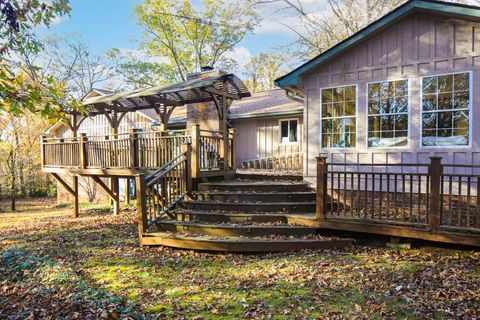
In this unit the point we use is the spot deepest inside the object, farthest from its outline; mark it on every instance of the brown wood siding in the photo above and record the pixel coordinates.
(418, 46)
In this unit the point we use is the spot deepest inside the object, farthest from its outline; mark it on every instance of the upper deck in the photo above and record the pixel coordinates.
(137, 152)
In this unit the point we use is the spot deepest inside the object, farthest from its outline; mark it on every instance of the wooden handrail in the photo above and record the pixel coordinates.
(432, 202)
(163, 189)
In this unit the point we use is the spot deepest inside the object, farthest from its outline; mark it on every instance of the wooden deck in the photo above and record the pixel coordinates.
(433, 201)
(137, 152)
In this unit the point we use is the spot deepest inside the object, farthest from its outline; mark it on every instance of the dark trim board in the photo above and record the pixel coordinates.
(398, 231)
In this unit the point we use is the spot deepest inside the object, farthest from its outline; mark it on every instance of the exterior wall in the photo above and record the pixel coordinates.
(420, 45)
(259, 138)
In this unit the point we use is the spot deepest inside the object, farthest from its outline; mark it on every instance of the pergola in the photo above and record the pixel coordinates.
(222, 90)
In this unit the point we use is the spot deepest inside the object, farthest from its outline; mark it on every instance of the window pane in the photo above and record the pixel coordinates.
(349, 108)
(337, 94)
(374, 107)
(445, 83)
(388, 130)
(460, 119)
(401, 122)
(429, 102)
(374, 91)
(338, 119)
(387, 123)
(444, 120)
(326, 96)
(338, 109)
(284, 131)
(429, 85)
(401, 105)
(429, 120)
(461, 82)
(401, 88)
(374, 123)
(445, 101)
(350, 94)
(293, 131)
(461, 100)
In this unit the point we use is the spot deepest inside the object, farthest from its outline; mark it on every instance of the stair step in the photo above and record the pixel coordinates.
(207, 243)
(265, 176)
(255, 197)
(254, 186)
(292, 207)
(218, 217)
(233, 230)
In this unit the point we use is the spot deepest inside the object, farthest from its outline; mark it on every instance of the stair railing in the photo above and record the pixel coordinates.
(161, 190)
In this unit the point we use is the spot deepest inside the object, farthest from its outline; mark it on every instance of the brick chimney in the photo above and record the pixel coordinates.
(204, 114)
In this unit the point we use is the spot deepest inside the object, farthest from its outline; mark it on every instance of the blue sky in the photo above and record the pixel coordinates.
(106, 24)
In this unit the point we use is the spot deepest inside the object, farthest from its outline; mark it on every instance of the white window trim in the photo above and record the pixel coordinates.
(280, 131)
(470, 111)
(356, 117)
(409, 95)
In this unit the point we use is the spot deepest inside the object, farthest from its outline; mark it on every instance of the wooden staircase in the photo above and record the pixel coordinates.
(249, 213)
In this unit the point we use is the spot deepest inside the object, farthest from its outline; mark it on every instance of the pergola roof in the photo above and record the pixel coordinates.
(186, 92)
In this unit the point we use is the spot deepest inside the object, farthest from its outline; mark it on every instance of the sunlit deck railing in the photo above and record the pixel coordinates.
(145, 150)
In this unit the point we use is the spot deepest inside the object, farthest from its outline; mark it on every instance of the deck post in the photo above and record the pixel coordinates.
(140, 191)
(233, 160)
(83, 151)
(187, 147)
(75, 197)
(195, 150)
(435, 170)
(134, 159)
(321, 187)
(42, 149)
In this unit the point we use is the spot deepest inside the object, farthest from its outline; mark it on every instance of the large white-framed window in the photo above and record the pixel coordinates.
(338, 117)
(288, 131)
(388, 110)
(446, 110)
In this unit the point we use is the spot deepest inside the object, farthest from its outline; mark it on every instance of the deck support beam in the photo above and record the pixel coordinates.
(111, 192)
(73, 190)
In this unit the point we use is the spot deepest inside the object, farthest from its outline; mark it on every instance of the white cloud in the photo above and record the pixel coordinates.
(141, 55)
(240, 54)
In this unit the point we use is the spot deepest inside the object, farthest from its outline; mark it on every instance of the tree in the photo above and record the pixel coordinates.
(188, 37)
(19, 140)
(320, 28)
(262, 70)
(21, 89)
(74, 65)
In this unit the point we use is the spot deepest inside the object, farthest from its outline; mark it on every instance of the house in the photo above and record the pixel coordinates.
(267, 125)
(390, 134)
(387, 137)
(401, 90)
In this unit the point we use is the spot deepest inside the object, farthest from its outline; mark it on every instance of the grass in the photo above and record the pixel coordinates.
(93, 267)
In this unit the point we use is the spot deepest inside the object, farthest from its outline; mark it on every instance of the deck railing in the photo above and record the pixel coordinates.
(140, 150)
(289, 162)
(159, 191)
(431, 198)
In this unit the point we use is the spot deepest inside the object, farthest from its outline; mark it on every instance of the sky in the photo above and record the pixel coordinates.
(106, 24)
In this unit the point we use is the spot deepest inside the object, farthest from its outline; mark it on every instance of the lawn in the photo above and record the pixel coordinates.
(52, 266)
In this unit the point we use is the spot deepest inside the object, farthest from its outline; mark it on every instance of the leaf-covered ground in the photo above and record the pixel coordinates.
(52, 266)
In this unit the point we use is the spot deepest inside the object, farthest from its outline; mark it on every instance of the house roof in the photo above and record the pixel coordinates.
(260, 104)
(189, 91)
(293, 78)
